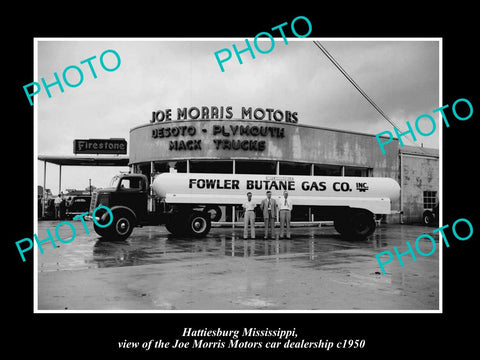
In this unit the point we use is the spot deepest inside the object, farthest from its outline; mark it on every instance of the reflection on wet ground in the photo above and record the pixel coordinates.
(316, 269)
(154, 245)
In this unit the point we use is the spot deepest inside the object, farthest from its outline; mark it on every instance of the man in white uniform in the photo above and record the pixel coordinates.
(249, 217)
(285, 213)
(58, 202)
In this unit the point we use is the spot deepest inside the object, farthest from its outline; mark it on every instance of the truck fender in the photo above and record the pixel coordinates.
(119, 207)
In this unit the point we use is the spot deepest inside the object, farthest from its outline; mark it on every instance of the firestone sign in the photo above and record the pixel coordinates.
(100, 146)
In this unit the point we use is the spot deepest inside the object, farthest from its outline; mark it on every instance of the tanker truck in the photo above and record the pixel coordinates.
(186, 202)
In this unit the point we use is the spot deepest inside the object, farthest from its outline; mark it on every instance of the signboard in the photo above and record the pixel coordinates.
(221, 112)
(100, 146)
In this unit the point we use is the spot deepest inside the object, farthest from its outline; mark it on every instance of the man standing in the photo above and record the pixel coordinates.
(285, 214)
(249, 217)
(58, 201)
(269, 207)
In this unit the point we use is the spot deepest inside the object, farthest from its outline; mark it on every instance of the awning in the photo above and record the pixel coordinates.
(85, 161)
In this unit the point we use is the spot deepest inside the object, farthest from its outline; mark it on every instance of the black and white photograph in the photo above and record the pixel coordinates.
(266, 185)
(212, 181)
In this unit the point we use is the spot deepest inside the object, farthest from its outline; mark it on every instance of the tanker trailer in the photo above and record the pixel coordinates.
(183, 199)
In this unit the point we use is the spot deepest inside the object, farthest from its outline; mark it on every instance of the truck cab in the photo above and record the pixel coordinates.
(127, 198)
(131, 191)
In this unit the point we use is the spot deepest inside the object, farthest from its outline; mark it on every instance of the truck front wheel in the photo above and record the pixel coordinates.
(103, 218)
(198, 224)
(121, 226)
(100, 231)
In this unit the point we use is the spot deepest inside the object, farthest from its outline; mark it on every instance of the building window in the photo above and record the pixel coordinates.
(429, 199)
(211, 166)
(287, 168)
(143, 169)
(255, 167)
(181, 166)
(161, 167)
(327, 170)
(355, 171)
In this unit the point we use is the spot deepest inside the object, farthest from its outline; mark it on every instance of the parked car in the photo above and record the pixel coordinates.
(77, 205)
(430, 217)
(49, 209)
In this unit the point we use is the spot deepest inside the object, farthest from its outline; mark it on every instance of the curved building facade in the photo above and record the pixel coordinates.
(260, 147)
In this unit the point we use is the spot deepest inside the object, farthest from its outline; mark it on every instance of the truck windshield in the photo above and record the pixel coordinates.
(114, 181)
(120, 182)
(130, 183)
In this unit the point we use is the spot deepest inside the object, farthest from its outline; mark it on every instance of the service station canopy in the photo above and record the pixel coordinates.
(85, 161)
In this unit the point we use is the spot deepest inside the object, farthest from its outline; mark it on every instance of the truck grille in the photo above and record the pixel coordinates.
(93, 202)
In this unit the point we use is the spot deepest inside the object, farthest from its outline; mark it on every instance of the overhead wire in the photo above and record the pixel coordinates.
(364, 94)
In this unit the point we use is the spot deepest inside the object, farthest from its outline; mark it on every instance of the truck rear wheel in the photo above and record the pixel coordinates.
(176, 226)
(214, 212)
(195, 223)
(360, 225)
(169, 226)
(340, 224)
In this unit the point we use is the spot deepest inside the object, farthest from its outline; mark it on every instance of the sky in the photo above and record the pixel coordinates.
(402, 77)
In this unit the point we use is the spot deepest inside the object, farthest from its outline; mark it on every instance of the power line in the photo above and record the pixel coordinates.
(350, 79)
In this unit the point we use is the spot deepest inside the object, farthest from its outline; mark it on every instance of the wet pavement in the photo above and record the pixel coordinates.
(315, 270)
